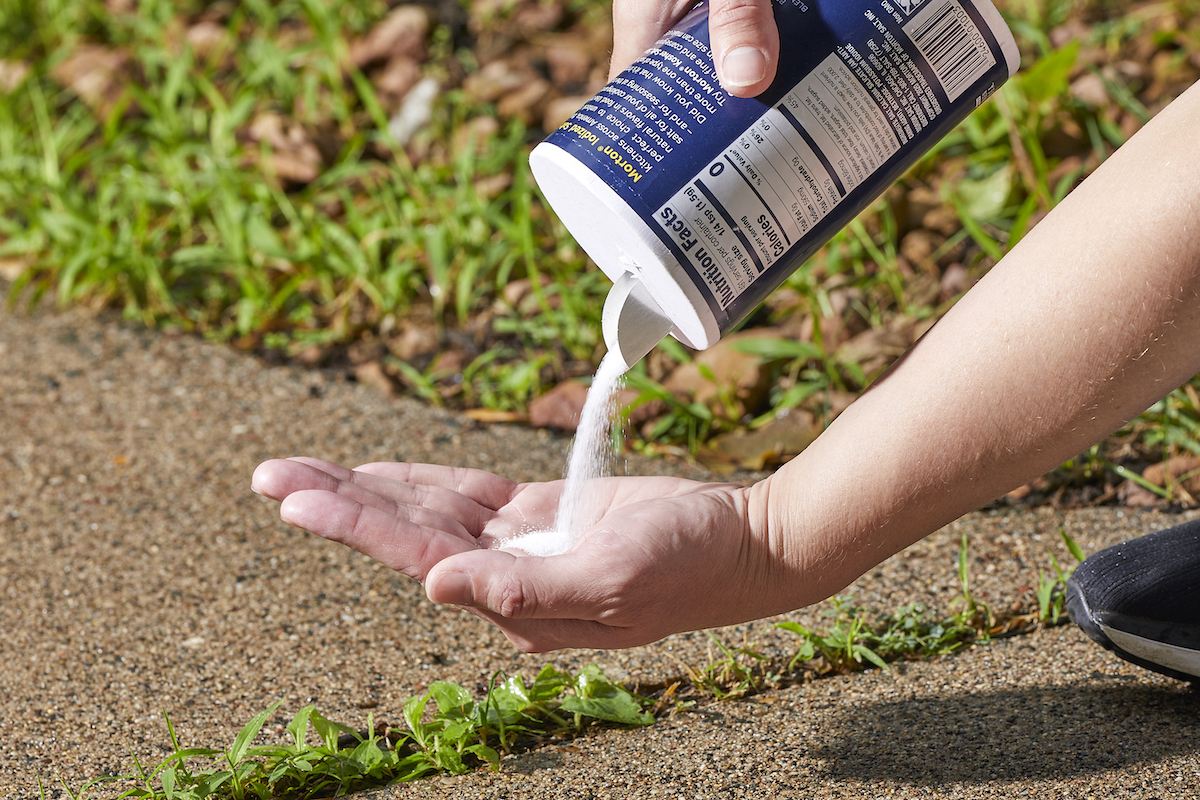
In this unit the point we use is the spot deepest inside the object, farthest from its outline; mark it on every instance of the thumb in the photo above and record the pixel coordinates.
(514, 587)
(540, 604)
(745, 43)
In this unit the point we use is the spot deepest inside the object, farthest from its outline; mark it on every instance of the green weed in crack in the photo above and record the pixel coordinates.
(853, 643)
(741, 671)
(973, 613)
(1051, 591)
(454, 736)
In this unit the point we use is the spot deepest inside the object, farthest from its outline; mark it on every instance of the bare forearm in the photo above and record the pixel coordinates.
(1089, 320)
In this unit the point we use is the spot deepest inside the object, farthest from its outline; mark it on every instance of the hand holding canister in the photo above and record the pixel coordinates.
(710, 201)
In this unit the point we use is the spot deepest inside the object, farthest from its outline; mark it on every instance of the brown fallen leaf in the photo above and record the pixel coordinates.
(395, 80)
(642, 413)
(95, 74)
(204, 37)
(560, 407)
(293, 156)
(492, 415)
(560, 110)
(367, 348)
(12, 75)
(11, 268)
(514, 292)
(496, 79)
(1089, 88)
(828, 405)
(448, 362)
(845, 322)
(539, 16)
(1135, 496)
(569, 61)
(943, 220)
(1178, 473)
(1071, 29)
(746, 374)
(1021, 492)
(491, 187)
(400, 33)
(293, 168)
(413, 342)
(525, 103)
(311, 355)
(918, 245)
(372, 374)
(914, 204)
(954, 282)
(476, 133)
(923, 288)
(876, 348)
(771, 445)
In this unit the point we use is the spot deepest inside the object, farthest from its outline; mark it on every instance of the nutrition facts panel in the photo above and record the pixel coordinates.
(783, 175)
(823, 139)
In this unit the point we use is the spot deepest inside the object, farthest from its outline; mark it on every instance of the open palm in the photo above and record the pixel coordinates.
(646, 569)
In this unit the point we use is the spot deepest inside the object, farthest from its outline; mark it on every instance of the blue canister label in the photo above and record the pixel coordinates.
(743, 191)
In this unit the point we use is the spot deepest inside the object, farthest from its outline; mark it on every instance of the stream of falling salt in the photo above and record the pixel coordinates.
(590, 458)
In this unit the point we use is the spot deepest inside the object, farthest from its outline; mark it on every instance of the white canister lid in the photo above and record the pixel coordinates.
(620, 241)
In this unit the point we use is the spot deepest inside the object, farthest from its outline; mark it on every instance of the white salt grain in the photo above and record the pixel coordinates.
(591, 455)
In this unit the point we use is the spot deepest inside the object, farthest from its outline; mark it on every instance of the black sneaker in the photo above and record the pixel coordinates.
(1141, 600)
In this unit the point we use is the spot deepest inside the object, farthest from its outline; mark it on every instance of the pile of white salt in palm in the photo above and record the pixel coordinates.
(591, 457)
(633, 324)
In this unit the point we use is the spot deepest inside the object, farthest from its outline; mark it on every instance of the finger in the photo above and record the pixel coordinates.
(430, 506)
(542, 618)
(279, 478)
(745, 43)
(403, 541)
(517, 587)
(449, 502)
(336, 470)
(638, 24)
(485, 488)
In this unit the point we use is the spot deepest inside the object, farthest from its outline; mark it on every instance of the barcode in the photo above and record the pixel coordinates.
(952, 44)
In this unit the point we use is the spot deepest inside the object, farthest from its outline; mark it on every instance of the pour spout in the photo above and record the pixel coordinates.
(632, 322)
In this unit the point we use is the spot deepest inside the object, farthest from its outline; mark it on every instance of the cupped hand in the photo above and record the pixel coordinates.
(744, 38)
(667, 555)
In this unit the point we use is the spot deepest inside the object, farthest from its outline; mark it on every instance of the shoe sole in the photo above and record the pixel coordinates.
(1166, 659)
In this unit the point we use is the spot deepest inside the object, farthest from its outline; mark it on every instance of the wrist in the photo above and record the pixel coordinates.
(809, 535)
(837, 509)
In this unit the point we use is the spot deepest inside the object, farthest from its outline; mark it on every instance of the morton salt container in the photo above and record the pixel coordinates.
(698, 204)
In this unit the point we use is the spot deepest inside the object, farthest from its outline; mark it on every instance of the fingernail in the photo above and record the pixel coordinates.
(452, 588)
(743, 66)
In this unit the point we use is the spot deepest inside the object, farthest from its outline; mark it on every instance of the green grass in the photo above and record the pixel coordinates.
(158, 197)
(159, 204)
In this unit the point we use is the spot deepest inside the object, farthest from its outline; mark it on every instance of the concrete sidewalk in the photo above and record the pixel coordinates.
(138, 574)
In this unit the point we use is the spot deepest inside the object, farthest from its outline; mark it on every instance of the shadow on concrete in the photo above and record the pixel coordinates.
(1047, 733)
